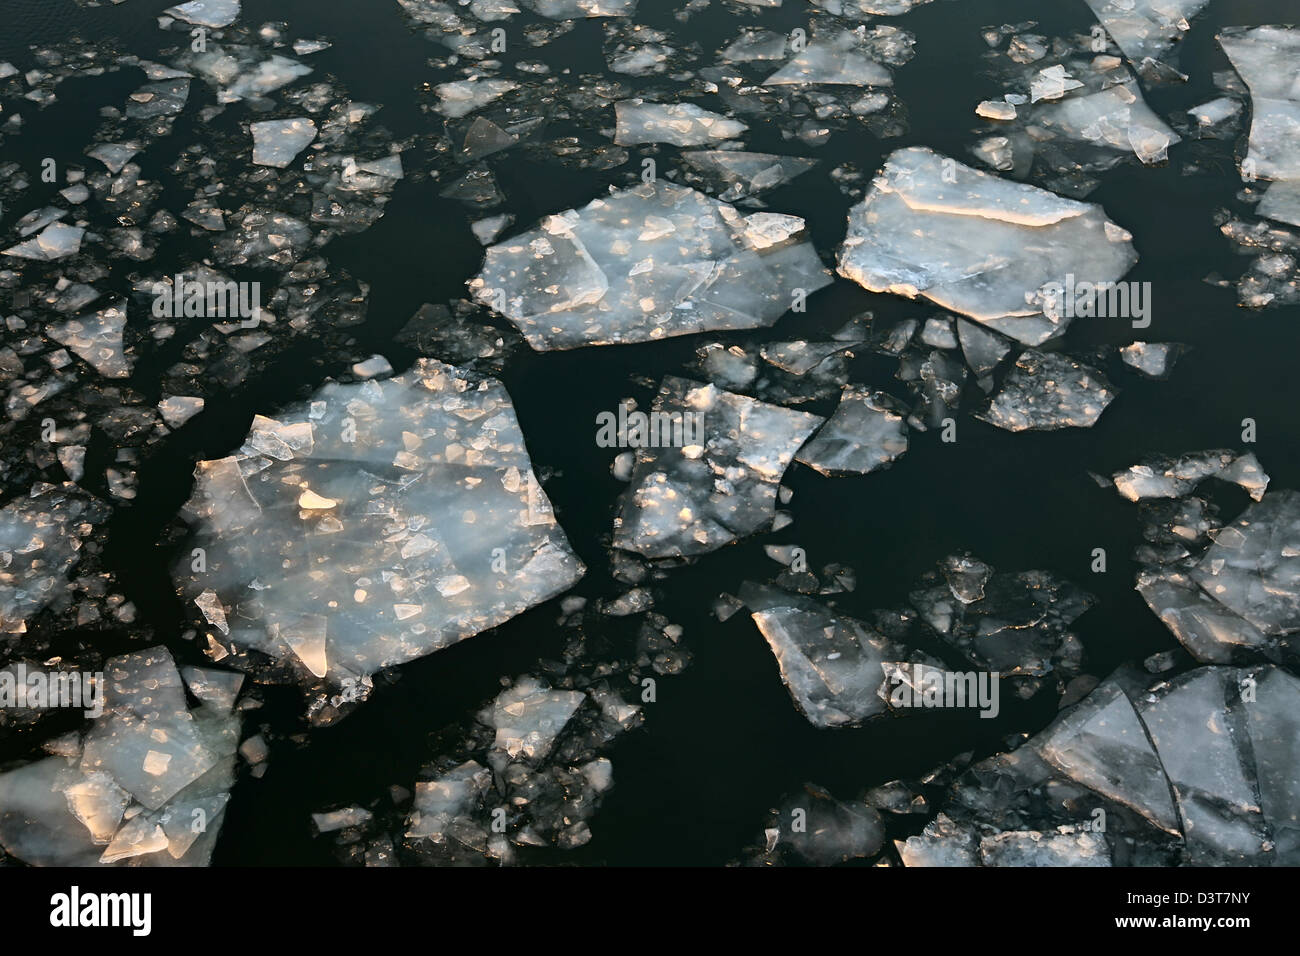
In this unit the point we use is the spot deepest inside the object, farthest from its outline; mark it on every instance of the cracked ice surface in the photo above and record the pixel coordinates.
(1265, 58)
(832, 61)
(277, 142)
(1253, 566)
(378, 523)
(866, 432)
(1199, 770)
(1146, 28)
(641, 264)
(695, 499)
(834, 667)
(976, 244)
(1048, 391)
(681, 124)
(40, 540)
(207, 13)
(148, 783)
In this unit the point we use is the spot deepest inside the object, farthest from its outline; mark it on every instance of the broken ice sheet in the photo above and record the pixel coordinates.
(695, 499)
(1162, 477)
(243, 73)
(1222, 740)
(833, 666)
(56, 241)
(832, 60)
(97, 338)
(1146, 28)
(529, 716)
(1048, 391)
(644, 263)
(1006, 622)
(41, 535)
(746, 174)
(1253, 566)
(681, 124)
(148, 783)
(1152, 359)
(378, 523)
(976, 244)
(867, 431)
(462, 97)
(1265, 58)
(277, 142)
(207, 13)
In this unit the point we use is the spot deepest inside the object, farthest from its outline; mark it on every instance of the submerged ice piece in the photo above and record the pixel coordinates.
(645, 263)
(148, 783)
(867, 431)
(696, 498)
(1146, 28)
(1265, 57)
(378, 523)
(1016, 624)
(979, 245)
(1048, 391)
(834, 667)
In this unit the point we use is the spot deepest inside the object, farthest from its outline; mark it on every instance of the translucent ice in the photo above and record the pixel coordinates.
(977, 244)
(1146, 28)
(1265, 58)
(697, 498)
(146, 786)
(277, 142)
(643, 264)
(207, 13)
(867, 431)
(1046, 391)
(377, 523)
(682, 124)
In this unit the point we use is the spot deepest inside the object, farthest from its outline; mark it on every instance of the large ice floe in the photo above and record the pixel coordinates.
(1146, 28)
(694, 498)
(1198, 770)
(646, 263)
(145, 785)
(985, 247)
(379, 522)
(1265, 58)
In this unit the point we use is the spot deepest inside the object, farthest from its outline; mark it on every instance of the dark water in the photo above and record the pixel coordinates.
(723, 743)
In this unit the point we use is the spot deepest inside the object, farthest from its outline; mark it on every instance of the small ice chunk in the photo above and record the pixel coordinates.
(681, 124)
(277, 142)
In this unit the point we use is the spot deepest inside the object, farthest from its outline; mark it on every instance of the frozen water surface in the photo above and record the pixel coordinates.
(378, 523)
(642, 264)
(146, 785)
(980, 245)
